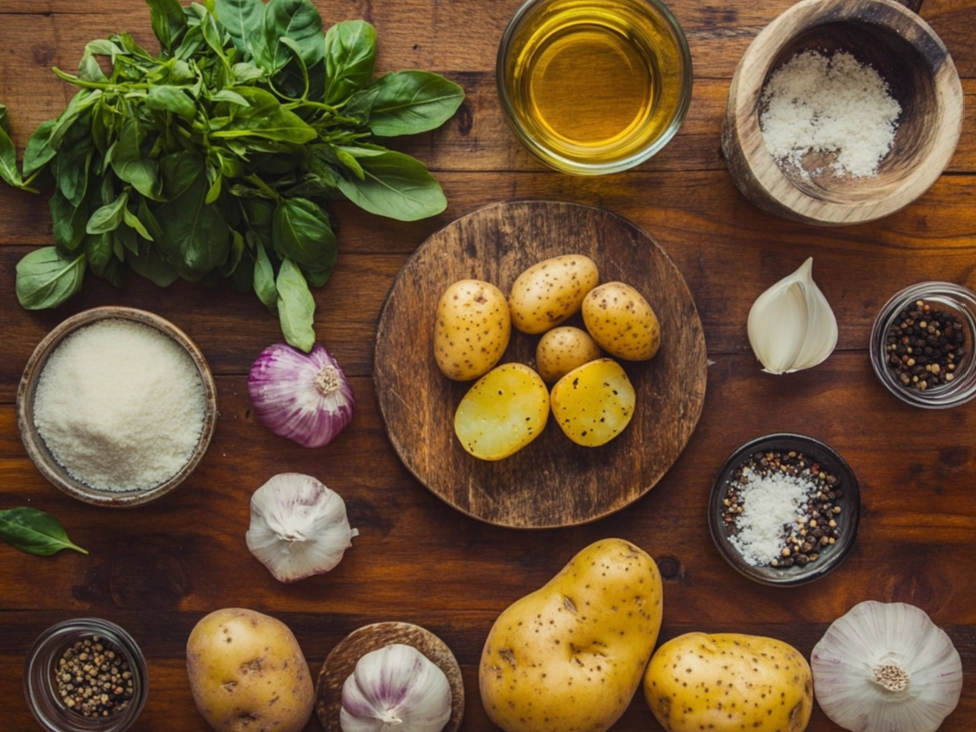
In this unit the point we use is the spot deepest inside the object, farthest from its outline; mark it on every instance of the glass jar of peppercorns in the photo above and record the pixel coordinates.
(922, 345)
(85, 675)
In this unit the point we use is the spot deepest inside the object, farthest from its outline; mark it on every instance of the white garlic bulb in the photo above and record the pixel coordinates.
(886, 667)
(395, 688)
(298, 527)
(791, 326)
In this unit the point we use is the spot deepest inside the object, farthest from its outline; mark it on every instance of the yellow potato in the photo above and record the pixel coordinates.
(593, 403)
(503, 412)
(248, 673)
(472, 330)
(569, 657)
(729, 682)
(622, 322)
(562, 349)
(550, 291)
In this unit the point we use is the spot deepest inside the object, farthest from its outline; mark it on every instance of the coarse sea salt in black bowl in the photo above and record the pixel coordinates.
(745, 532)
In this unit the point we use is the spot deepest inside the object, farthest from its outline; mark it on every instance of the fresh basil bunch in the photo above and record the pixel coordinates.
(211, 159)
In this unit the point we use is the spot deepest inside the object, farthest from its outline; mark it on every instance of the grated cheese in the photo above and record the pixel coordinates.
(834, 105)
(771, 505)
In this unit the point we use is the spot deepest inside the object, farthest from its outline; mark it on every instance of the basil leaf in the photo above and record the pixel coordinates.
(231, 97)
(266, 118)
(100, 252)
(129, 163)
(108, 217)
(295, 19)
(296, 307)
(245, 73)
(396, 186)
(167, 98)
(132, 221)
(264, 279)
(34, 532)
(243, 21)
(73, 167)
(168, 21)
(409, 102)
(350, 57)
(46, 278)
(39, 149)
(149, 264)
(68, 222)
(301, 232)
(8, 154)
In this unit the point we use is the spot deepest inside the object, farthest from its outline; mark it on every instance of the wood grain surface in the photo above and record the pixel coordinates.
(156, 570)
(552, 482)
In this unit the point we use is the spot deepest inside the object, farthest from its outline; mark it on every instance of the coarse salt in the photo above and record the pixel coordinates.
(770, 505)
(120, 405)
(829, 104)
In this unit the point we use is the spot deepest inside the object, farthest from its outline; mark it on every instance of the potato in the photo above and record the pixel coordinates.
(247, 673)
(550, 291)
(593, 403)
(727, 682)
(561, 350)
(503, 412)
(472, 330)
(570, 656)
(622, 322)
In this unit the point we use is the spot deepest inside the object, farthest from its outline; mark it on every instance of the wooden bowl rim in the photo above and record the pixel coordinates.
(756, 63)
(34, 445)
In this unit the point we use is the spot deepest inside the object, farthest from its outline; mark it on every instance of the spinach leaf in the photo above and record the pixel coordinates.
(296, 307)
(46, 278)
(301, 232)
(168, 21)
(350, 57)
(295, 19)
(243, 21)
(34, 532)
(396, 186)
(408, 102)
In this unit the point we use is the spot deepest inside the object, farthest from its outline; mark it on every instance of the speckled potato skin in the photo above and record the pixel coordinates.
(247, 673)
(570, 656)
(548, 292)
(622, 321)
(593, 403)
(472, 329)
(729, 682)
(562, 349)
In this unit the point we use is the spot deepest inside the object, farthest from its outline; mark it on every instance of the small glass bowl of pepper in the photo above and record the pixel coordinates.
(85, 675)
(922, 345)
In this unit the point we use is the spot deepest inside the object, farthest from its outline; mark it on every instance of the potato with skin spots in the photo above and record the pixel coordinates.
(247, 673)
(594, 403)
(569, 657)
(729, 682)
(622, 322)
(550, 291)
(562, 349)
(472, 329)
(504, 411)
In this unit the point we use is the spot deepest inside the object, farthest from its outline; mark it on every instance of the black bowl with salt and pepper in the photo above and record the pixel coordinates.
(784, 509)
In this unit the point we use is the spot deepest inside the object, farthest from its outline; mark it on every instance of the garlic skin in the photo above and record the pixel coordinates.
(791, 326)
(886, 667)
(298, 527)
(395, 688)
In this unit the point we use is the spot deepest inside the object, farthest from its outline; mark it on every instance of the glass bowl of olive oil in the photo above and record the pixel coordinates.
(594, 86)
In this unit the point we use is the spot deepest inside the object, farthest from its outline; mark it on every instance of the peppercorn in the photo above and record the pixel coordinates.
(94, 679)
(924, 345)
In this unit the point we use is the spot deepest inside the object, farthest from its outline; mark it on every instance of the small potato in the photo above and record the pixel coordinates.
(561, 350)
(622, 322)
(472, 330)
(593, 404)
(503, 412)
(550, 291)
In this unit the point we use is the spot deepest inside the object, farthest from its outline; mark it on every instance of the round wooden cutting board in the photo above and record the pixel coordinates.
(551, 482)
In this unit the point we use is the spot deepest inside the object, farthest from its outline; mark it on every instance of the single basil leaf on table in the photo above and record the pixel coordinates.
(396, 186)
(350, 57)
(408, 102)
(295, 19)
(243, 21)
(296, 307)
(39, 150)
(69, 223)
(46, 277)
(34, 532)
(301, 232)
(264, 277)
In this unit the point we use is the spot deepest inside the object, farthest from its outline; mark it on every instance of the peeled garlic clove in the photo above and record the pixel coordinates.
(791, 326)
(395, 687)
(298, 527)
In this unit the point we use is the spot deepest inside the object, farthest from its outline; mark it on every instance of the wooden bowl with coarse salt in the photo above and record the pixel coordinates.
(842, 112)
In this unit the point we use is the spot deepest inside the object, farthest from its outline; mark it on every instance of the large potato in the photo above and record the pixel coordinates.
(550, 291)
(569, 657)
(247, 673)
(502, 412)
(562, 349)
(622, 322)
(472, 329)
(593, 403)
(729, 682)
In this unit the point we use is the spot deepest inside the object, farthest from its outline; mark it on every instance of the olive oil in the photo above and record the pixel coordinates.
(594, 83)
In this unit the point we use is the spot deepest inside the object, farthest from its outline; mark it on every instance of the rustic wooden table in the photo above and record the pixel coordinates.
(156, 570)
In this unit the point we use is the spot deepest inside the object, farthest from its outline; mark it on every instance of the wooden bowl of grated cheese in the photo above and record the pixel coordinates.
(842, 112)
(116, 406)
